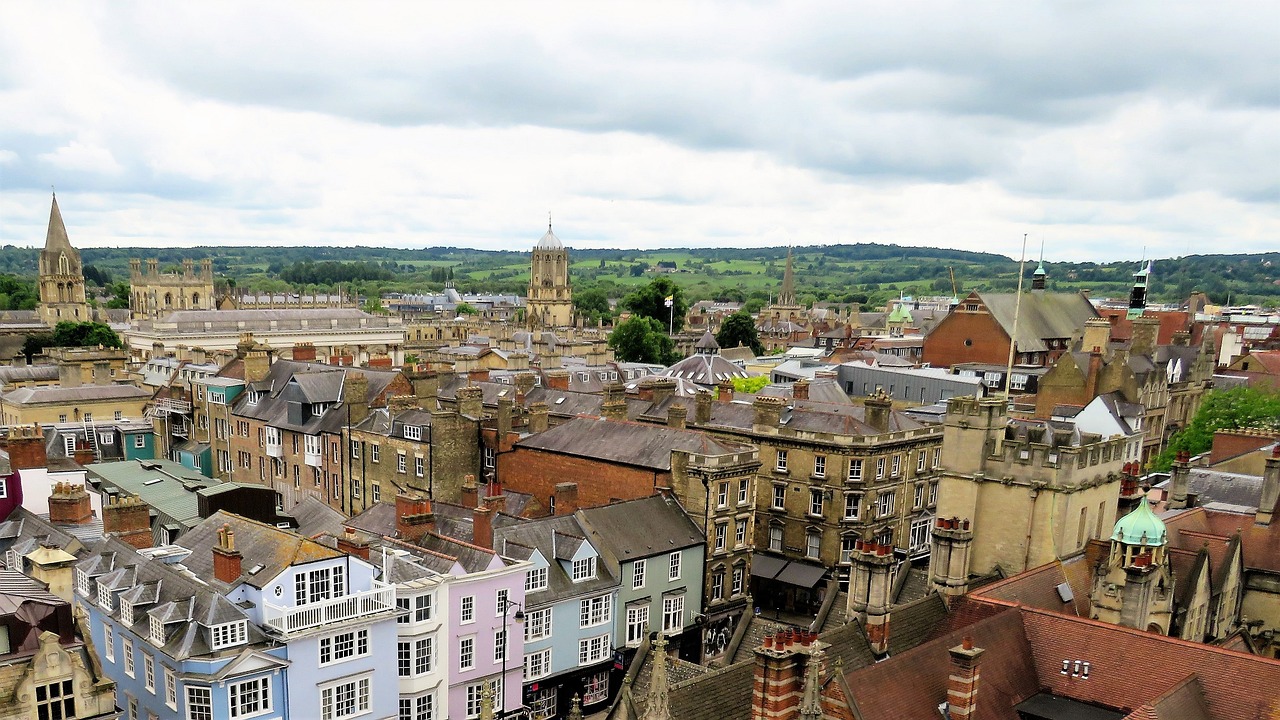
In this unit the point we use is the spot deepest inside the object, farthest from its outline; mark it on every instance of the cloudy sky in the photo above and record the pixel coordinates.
(1102, 128)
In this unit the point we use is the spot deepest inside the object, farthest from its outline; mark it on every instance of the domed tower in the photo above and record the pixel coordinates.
(550, 301)
(61, 275)
(1134, 585)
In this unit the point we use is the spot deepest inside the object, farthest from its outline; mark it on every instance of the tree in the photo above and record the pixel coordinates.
(643, 339)
(592, 305)
(85, 334)
(465, 309)
(749, 385)
(120, 301)
(740, 329)
(36, 343)
(650, 301)
(1239, 407)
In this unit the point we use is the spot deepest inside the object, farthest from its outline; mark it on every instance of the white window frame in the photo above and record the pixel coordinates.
(744, 491)
(250, 691)
(412, 432)
(343, 646)
(595, 688)
(817, 502)
(109, 642)
(637, 624)
(584, 569)
(467, 609)
(853, 506)
(886, 502)
(536, 579)
(593, 649)
(595, 611)
(537, 624)
(855, 470)
(780, 461)
(360, 701)
(467, 652)
(228, 634)
(775, 538)
(673, 613)
(779, 500)
(637, 573)
(812, 544)
(879, 468)
(149, 672)
(537, 665)
(820, 466)
(199, 702)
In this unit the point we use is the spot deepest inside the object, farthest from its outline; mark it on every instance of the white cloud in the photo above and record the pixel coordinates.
(1107, 128)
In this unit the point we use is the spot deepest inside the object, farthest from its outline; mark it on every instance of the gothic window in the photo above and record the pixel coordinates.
(64, 265)
(168, 299)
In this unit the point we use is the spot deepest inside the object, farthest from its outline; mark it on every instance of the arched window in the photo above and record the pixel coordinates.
(195, 300)
(64, 265)
(168, 299)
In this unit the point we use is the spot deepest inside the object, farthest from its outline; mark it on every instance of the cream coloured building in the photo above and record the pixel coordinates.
(550, 301)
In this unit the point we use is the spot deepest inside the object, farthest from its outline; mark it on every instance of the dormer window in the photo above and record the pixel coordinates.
(126, 613)
(584, 569)
(105, 600)
(413, 432)
(228, 634)
(157, 630)
(82, 582)
(317, 409)
(255, 396)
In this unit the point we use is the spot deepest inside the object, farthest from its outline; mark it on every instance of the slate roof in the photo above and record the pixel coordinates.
(557, 538)
(258, 543)
(634, 529)
(1213, 486)
(315, 517)
(28, 373)
(24, 531)
(306, 382)
(1043, 315)
(81, 393)
(626, 443)
(704, 369)
(168, 592)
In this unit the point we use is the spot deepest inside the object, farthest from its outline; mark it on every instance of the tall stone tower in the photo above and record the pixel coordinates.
(61, 275)
(550, 302)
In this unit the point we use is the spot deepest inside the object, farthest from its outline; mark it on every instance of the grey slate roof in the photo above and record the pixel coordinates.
(80, 393)
(627, 443)
(1043, 315)
(314, 517)
(557, 538)
(258, 543)
(634, 529)
(306, 382)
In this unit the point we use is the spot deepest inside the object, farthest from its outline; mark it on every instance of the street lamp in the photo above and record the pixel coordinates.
(518, 616)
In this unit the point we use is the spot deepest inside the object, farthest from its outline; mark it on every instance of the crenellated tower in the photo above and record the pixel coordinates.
(550, 301)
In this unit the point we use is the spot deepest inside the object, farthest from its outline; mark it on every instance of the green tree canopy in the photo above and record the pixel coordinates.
(120, 299)
(650, 301)
(740, 329)
(749, 384)
(1239, 407)
(85, 334)
(592, 305)
(466, 309)
(643, 339)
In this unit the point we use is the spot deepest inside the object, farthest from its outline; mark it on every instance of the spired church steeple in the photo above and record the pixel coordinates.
(787, 295)
(61, 275)
(550, 301)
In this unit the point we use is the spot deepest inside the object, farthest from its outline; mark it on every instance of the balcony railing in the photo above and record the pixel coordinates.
(167, 406)
(381, 598)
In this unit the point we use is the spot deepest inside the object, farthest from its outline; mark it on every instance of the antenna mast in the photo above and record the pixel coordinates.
(1017, 312)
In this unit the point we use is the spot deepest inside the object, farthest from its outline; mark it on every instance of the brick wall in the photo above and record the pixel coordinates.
(537, 472)
(946, 345)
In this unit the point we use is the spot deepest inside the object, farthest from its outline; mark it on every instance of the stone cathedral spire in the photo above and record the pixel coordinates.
(787, 295)
(61, 275)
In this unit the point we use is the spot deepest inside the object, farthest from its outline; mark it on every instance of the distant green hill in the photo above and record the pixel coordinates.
(867, 273)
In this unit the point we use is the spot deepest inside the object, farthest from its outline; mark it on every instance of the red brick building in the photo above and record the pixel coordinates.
(979, 329)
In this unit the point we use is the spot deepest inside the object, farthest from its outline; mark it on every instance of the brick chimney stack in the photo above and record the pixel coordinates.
(304, 352)
(768, 411)
(69, 505)
(1270, 488)
(538, 417)
(871, 591)
(129, 518)
(614, 406)
(354, 543)
(879, 409)
(470, 492)
(470, 400)
(702, 408)
(566, 497)
(414, 517)
(355, 395)
(557, 379)
(256, 366)
(1179, 480)
(779, 687)
(800, 390)
(482, 527)
(949, 557)
(25, 446)
(724, 391)
(962, 684)
(677, 417)
(226, 559)
(1097, 334)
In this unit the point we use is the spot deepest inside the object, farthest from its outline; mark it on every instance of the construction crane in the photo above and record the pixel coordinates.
(954, 292)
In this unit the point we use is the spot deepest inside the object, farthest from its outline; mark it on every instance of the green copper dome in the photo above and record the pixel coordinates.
(1140, 527)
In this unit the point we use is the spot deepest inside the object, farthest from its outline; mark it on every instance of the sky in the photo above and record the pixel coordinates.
(1104, 130)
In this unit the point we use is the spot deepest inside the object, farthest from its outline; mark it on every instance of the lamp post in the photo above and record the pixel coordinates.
(518, 616)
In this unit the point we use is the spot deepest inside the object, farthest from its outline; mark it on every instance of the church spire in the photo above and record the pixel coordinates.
(56, 238)
(658, 705)
(787, 296)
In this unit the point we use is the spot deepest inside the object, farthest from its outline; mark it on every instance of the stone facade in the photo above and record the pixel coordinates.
(1033, 492)
(154, 294)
